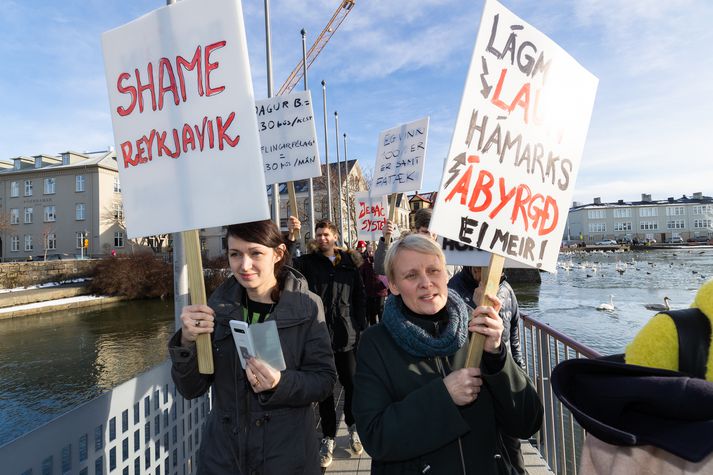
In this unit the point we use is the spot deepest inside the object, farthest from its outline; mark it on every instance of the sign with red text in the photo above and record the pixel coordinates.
(400, 157)
(183, 114)
(371, 215)
(288, 137)
(517, 144)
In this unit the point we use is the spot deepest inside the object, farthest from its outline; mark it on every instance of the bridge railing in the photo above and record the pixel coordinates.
(142, 426)
(560, 439)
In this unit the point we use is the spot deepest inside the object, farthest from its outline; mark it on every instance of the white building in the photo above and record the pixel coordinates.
(660, 220)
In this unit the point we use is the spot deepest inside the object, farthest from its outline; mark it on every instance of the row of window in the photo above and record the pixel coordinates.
(50, 241)
(650, 225)
(648, 212)
(79, 183)
(51, 214)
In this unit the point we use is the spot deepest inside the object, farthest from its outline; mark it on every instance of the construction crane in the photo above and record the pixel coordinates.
(296, 75)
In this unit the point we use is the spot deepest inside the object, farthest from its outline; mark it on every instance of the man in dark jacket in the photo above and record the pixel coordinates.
(467, 284)
(333, 275)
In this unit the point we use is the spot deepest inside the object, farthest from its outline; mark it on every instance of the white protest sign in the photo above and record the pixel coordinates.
(459, 254)
(288, 137)
(371, 215)
(183, 114)
(400, 157)
(517, 144)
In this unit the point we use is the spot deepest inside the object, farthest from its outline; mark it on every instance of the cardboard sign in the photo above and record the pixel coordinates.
(400, 157)
(459, 254)
(517, 144)
(371, 215)
(183, 114)
(288, 137)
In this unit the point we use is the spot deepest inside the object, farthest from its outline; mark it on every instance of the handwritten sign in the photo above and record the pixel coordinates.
(371, 215)
(400, 157)
(517, 145)
(288, 137)
(183, 114)
(459, 254)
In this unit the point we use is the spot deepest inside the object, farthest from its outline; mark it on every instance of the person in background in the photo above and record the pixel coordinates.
(417, 408)
(333, 274)
(261, 419)
(374, 288)
(467, 283)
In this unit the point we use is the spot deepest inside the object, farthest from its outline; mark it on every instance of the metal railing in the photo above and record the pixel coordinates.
(560, 439)
(142, 426)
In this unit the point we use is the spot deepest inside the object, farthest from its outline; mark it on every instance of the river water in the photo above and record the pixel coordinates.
(53, 362)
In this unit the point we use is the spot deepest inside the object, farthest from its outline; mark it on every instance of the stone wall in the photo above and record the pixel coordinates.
(20, 274)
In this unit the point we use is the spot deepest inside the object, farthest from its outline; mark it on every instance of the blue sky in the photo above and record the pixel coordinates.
(396, 61)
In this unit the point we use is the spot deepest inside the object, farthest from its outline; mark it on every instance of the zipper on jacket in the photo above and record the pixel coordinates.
(439, 365)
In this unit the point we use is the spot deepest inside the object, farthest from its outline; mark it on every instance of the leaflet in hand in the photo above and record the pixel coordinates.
(260, 340)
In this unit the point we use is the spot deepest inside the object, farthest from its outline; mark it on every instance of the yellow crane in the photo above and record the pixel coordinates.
(296, 75)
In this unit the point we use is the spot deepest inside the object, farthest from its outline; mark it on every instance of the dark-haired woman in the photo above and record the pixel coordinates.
(261, 419)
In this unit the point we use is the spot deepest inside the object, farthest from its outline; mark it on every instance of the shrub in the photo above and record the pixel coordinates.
(215, 271)
(135, 276)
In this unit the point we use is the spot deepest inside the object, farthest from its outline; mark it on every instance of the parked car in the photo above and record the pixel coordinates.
(674, 240)
(699, 239)
(606, 242)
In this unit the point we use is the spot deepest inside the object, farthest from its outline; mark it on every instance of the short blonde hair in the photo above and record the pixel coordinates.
(412, 242)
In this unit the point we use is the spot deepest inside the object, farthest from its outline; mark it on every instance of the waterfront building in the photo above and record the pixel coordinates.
(670, 220)
(68, 205)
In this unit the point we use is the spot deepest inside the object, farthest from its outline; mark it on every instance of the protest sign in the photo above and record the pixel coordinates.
(183, 115)
(517, 143)
(371, 213)
(400, 157)
(459, 254)
(288, 137)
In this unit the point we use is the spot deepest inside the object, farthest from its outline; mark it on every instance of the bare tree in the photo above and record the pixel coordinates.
(113, 214)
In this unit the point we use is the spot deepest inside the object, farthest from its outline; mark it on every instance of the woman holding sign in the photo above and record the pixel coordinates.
(417, 409)
(262, 419)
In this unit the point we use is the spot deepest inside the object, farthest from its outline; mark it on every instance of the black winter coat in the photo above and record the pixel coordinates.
(342, 292)
(267, 433)
(464, 283)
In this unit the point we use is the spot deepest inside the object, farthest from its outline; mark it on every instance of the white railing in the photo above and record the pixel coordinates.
(140, 427)
(560, 439)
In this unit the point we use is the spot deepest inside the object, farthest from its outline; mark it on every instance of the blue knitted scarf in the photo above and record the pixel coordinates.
(418, 342)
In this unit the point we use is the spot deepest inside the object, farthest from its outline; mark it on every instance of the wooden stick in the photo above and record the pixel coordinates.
(490, 279)
(392, 215)
(196, 287)
(293, 203)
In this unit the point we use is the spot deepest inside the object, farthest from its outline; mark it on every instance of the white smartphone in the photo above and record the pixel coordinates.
(243, 341)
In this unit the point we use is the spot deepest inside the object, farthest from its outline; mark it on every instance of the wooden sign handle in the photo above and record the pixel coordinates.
(490, 279)
(293, 203)
(196, 287)
(392, 215)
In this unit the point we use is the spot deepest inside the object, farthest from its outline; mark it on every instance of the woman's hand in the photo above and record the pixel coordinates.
(196, 319)
(463, 385)
(487, 322)
(293, 227)
(261, 376)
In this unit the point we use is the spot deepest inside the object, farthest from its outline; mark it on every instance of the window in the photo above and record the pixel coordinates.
(597, 227)
(28, 187)
(49, 186)
(14, 189)
(15, 243)
(702, 209)
(622, 212)
(118, 239)
(675, 224)
(51, 241)
(118, 211)
(28, 215)
(15, 216)
(79, 212)
(117, 185)
(702, 223)
(675, 211)
(647, 212)
(79, 240)
(596, 214)
(50, 214)
(79, 183)
(649, 224)
(28, 242)
(622, 226)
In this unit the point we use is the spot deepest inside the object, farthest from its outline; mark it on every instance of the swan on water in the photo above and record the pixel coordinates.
(659, 307)
(607, 306)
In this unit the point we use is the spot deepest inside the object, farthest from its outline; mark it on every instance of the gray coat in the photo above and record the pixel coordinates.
(267, 433)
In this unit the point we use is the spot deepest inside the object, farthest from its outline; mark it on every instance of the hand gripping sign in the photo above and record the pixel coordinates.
(517, 144)
(183, 115)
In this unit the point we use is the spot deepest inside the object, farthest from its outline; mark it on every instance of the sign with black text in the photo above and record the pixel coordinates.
(400, 158)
